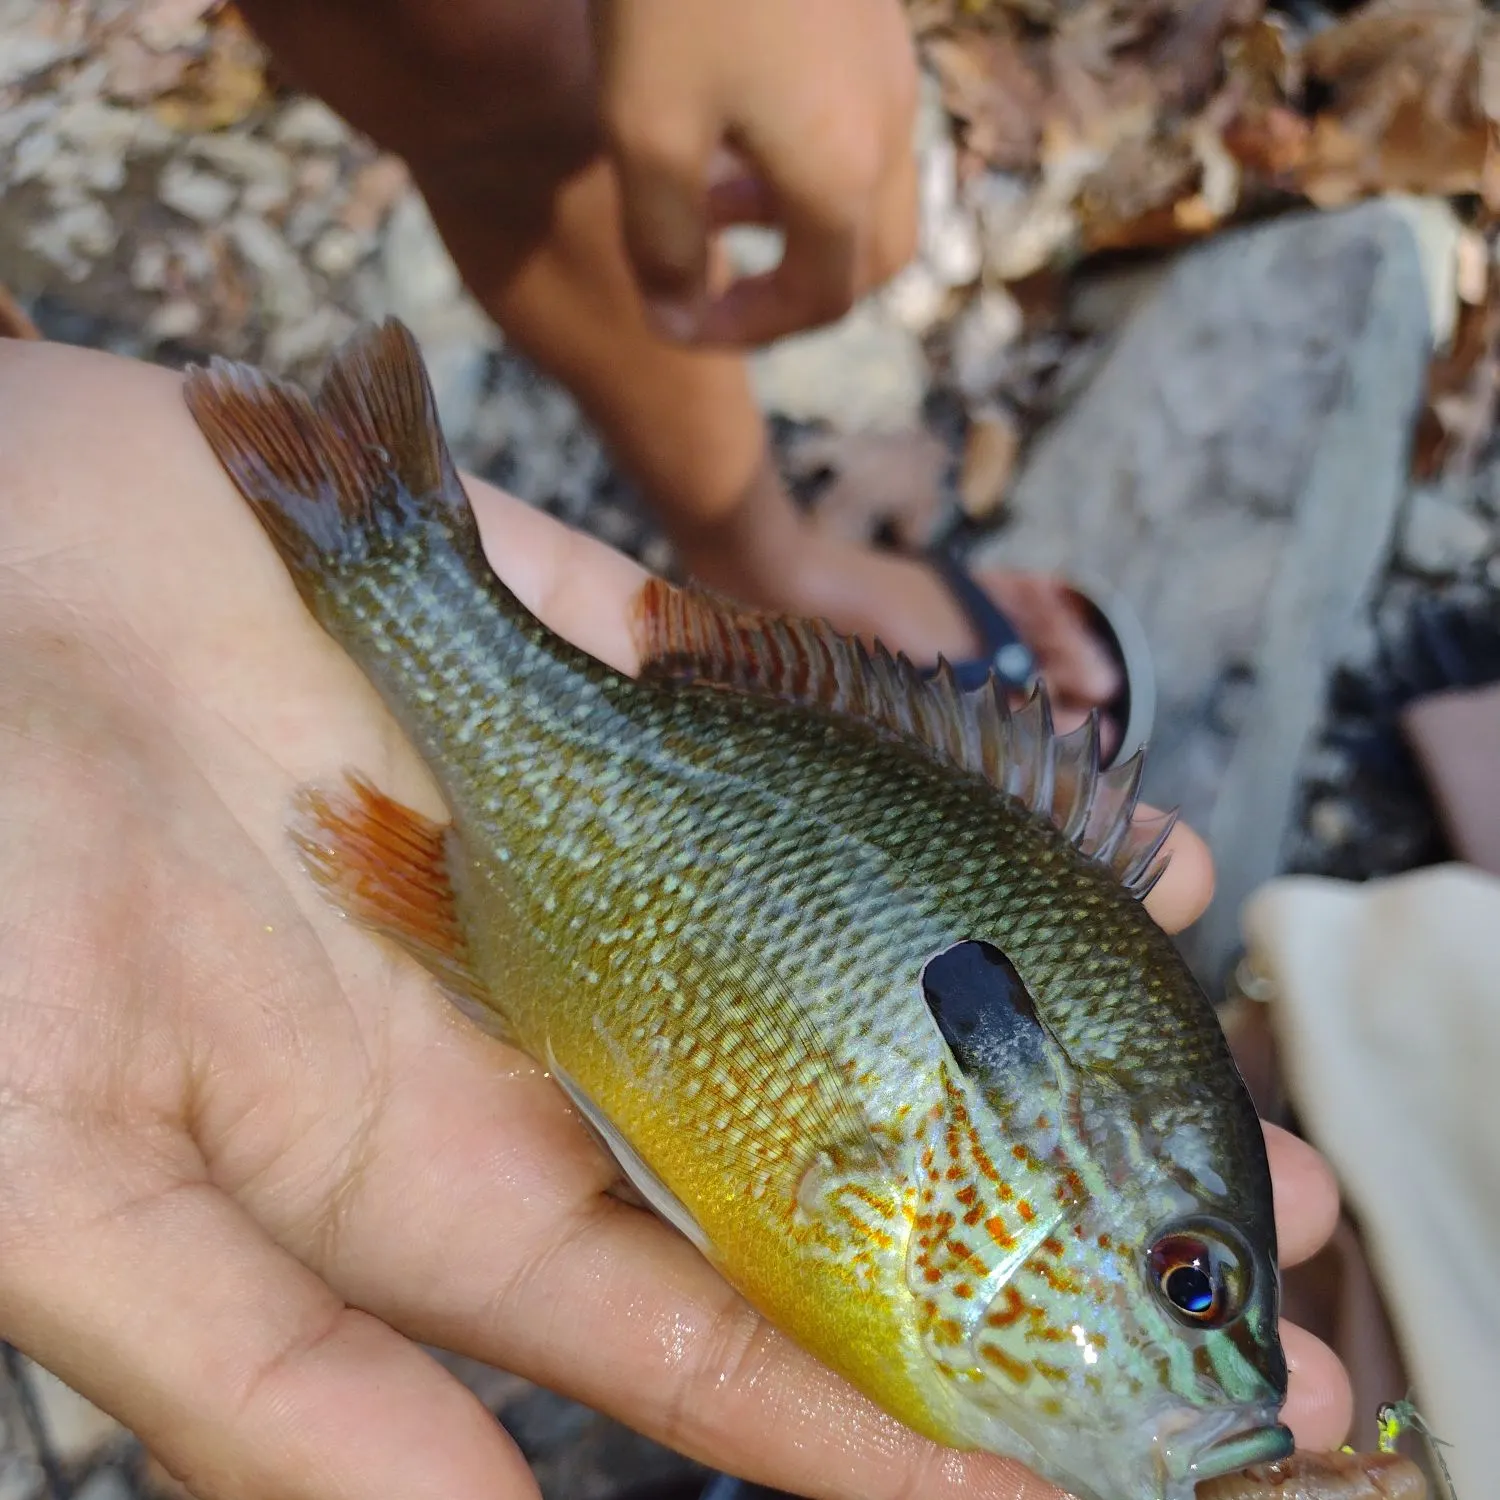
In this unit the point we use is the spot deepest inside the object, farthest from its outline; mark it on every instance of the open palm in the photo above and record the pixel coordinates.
(242, 1143)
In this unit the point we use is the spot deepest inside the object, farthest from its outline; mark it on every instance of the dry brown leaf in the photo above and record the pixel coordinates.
(1462, 386)
(1262, 65)
(990, 449)
(14, 322)
(1131, 200)
(222, 85)
(1270, 143)
(990, 87)
(1187, 58)
(232, 293)
(1410, 85)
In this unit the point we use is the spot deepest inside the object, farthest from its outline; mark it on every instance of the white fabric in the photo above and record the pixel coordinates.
(1386, 1004)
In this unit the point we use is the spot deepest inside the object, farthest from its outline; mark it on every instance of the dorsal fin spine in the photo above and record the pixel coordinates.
(692, 635)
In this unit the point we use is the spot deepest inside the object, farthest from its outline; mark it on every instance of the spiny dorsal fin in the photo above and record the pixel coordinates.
(692, 635)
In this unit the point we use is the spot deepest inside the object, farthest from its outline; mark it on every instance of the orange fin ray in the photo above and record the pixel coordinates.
(386, 866)
(692, 635)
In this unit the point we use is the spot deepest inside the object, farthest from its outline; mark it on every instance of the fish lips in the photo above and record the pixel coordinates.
(1262, 1443)
(1193, 1446)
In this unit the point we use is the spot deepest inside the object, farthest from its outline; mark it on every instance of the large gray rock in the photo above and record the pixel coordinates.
(1235, 470)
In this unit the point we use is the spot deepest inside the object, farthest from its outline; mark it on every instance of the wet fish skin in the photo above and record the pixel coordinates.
(711, 913)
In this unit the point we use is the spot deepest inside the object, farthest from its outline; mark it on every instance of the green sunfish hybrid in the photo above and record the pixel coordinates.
(846, 966)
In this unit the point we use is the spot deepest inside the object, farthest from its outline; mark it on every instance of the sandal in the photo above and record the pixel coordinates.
(1004, 653)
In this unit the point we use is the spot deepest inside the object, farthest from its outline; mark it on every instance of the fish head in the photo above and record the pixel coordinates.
(1096, 1266)
(1126, 1334)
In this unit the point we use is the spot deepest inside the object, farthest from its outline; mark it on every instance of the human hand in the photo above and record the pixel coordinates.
(246, 1151)
(797, 113)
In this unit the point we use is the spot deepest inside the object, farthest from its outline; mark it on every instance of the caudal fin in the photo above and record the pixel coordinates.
(334, 480)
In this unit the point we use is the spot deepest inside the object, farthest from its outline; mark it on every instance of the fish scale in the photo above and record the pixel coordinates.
(845, 966)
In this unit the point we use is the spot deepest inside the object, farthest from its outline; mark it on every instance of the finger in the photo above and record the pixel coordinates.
(741, 200)
(157, 1298)
(1320, 1399)
(892, 240)
(663, 154)
(815, 283)
(1186, 887)
(823, 201)
(850, 224)
(1307, 1196)
(736, 194)
(680, 1356)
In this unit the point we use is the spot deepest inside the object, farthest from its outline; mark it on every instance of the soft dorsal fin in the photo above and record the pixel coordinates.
(692, 635)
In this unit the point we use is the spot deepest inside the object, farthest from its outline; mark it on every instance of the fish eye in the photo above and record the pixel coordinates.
(1201, 1277)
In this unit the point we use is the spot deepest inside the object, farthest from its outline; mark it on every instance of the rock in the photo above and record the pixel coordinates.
(74, 238)
(981, 341)
(457, 369)
(307, 220)
(104, 129)
(177, 318)
(195, 195)
(21, 117)
(34, 155)
(373, 193)
(76, 1428)
(310, 124)
(285, 292)
(108, 1483)
(266, 197)
(263, 170)
(104, 174)
(243, 157)
(915, 297)
(536, 443)
(23, 55)
(21, 1477)
(309, 340)
(1439, 536)
(422, 280)
(949, 233)
(863, 374)
(337, 251)
(1234, 470)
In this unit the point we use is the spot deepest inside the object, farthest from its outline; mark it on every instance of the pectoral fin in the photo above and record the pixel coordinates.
(385, 866)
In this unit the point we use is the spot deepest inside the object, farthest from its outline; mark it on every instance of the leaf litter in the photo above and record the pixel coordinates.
(1091, 126)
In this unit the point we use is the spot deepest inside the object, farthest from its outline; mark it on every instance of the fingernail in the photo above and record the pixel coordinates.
(677, 320)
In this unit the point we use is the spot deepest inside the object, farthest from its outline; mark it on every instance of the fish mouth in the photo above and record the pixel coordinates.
(1258, 1445)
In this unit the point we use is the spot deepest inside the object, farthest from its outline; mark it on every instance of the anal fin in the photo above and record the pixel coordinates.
(385, 866)
(645, 1185)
